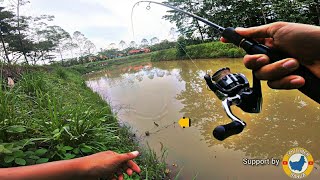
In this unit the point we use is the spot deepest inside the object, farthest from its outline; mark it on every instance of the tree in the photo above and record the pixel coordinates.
(70, 45)
(186, 24)
(172, 32)
(181, 47)
(112, 46)
(58, 37)
(144, 42)
(133, 44)
(20, 36)
(154, 40)
(5, 28)
(235, 13)
(89, 47)
(122, 44)
(79, 39)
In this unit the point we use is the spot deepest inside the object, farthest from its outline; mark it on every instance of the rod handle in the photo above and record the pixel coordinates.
(312, 83)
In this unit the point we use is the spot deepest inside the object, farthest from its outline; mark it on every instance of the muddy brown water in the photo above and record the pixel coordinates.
(163, 92)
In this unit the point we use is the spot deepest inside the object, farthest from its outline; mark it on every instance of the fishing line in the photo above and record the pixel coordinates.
(188, 55)
(148, 133)
(148, 7)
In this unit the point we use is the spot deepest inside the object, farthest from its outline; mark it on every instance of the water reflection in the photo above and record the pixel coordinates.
(162, 92)
(288, 118)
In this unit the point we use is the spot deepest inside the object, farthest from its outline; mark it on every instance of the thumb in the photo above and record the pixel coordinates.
(264, 31)
(129, 156)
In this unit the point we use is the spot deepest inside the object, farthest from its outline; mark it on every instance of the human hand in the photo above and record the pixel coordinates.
(300, 41)
(109, 164)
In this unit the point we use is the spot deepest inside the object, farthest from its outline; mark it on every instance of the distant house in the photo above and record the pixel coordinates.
(135, 51)
(139, 51)
(146, 50)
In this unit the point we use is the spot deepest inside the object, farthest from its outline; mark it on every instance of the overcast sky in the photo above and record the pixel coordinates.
(104, 21)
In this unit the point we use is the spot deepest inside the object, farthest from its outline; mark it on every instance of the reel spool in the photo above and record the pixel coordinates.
(234, 89)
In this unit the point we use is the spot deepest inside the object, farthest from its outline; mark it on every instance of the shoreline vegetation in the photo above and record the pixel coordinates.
(210, 50)
(50, 114)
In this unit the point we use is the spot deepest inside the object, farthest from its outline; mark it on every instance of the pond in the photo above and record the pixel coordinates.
(154, 96)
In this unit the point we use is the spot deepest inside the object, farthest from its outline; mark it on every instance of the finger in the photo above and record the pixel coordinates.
(222, 39)
(120, 177)
(289, 82)
(129, 156)
(264, 31)
(132, 165)
(256, 61)
(269, 42)
(129, 172)
(266, 41)
(277, 70)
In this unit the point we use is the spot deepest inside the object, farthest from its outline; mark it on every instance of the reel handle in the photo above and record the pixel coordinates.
(312, 83)
(235, 127)
(224, 131)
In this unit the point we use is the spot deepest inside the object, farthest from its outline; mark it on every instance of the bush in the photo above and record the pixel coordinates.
(164, 55)
(205, 50)
(54, 116)
(181, 47)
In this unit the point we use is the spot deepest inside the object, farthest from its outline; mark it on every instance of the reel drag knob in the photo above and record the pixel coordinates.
(224, 131)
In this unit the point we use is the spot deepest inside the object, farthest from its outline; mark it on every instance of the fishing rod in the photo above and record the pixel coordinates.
(234, 88)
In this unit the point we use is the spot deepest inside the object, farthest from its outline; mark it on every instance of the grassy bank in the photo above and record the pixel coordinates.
(128, 61)
(201, 51)
(50, 115)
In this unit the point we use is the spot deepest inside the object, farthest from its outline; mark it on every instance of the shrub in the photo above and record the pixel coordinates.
(181, 47)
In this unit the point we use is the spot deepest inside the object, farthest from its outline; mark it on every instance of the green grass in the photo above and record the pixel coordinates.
(52, 115)
(200, 51)
(128, 61)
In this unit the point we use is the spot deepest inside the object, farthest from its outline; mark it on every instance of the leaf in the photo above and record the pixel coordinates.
(76, 151)
(20, 161)
(56, 131)
(18, 154)
(4, 150)
(41, 152)
(42, 160)
(34, 157)
(67, 148)
(69, 156)
(16, 129)
(8, 159)
(86, 149)
(29, 153)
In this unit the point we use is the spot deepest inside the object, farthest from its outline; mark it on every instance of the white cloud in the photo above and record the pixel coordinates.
(105, 21)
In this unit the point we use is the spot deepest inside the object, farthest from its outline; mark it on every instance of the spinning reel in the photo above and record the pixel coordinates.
(234, 89)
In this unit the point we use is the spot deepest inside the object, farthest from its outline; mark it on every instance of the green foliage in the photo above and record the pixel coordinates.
(163, 45)
(235, 13)
(165, 55)
(52, 115)
(181, 47)
(200, 51)
(61, 73)
(128, 60)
